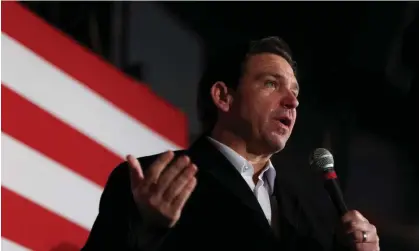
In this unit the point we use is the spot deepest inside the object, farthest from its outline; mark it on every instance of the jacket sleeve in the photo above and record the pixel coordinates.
(118, 225)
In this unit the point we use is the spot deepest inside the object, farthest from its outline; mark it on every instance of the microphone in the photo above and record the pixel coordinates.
(321, 159)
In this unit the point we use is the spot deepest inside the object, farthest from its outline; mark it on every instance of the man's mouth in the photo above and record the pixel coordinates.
(284, 120)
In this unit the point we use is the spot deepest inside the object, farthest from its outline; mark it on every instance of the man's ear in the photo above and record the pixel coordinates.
(221, 96)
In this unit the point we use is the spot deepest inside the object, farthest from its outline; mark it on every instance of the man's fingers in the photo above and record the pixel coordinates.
(172, 172)
(357, 229)
(358, 226)
(359, 238)
(352, 216)
(179, 183)
(136, 172)
(154, 171)
(181, 199)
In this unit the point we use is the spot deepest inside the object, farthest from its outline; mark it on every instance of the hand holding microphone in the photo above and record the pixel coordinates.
(364, 233)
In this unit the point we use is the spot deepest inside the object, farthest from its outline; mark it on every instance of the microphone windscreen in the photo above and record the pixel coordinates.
(322, 160)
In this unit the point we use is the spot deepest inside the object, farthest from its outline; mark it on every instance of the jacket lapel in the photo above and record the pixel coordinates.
(288, 204)
(295, 231)
(210, 160)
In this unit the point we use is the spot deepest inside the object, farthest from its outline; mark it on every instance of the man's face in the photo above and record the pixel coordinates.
(265, 102)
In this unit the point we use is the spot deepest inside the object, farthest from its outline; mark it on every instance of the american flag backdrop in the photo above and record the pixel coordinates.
(68, 118)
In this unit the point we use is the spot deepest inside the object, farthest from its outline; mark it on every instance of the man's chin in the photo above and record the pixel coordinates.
(277, 148)
(277, 143)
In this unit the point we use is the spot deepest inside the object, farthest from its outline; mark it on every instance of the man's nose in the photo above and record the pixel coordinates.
(289, 100)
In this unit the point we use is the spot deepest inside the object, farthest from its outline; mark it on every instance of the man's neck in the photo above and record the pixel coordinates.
(239, 145)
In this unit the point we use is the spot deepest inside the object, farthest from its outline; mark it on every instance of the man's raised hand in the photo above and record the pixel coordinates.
(162, 190)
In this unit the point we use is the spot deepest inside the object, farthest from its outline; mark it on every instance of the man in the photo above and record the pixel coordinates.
(223, 192)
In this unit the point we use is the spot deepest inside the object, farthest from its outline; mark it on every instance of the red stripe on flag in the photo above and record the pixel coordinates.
(37, 228)
(135, 99)
(40, 130)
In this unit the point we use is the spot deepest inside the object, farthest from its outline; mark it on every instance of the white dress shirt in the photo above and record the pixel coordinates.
(263, 189)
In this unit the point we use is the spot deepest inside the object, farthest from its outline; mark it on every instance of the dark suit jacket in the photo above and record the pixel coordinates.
(222, 213)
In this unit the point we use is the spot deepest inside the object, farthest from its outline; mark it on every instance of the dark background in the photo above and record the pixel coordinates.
(358, 70)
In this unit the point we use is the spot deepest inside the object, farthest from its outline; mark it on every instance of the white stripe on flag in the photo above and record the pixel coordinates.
(58, 93)
(48, 183)
(7, 245)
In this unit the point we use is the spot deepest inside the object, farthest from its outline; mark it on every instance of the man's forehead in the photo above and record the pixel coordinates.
(274, 66)
(270, 62)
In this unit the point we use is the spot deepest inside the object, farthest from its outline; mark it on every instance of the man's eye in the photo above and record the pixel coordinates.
(270, 84)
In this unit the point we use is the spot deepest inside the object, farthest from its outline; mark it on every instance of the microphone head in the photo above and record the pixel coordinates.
(322, 160)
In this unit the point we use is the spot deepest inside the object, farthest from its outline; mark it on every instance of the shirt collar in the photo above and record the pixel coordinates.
(243, 166)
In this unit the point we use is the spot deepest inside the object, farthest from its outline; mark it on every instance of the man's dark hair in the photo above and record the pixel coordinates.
(227, 65)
